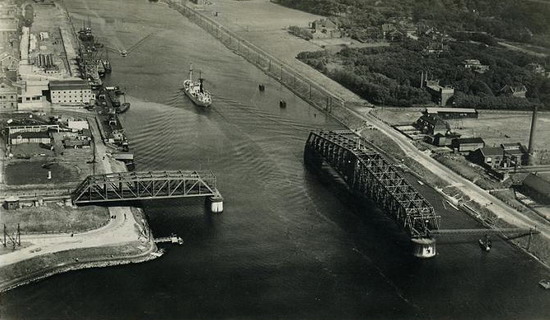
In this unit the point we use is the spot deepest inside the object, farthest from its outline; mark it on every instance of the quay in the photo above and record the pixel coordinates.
(171, 239)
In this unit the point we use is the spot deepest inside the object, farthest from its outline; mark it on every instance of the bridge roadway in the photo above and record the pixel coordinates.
(127, 186)
(370, 174)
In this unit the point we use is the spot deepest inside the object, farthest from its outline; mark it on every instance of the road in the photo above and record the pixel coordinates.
(474, 192)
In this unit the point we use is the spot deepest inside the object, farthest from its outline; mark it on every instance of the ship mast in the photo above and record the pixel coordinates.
(191, 72)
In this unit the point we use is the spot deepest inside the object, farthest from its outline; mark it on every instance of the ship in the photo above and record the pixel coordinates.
(195, 90)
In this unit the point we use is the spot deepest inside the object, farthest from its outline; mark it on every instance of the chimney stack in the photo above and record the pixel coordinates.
(531, 147)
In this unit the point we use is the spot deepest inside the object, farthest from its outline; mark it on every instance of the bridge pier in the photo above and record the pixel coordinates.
(215, 203)
(424, 247)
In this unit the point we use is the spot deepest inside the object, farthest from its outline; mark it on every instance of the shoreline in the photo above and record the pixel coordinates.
(345, 112)
(101, 262)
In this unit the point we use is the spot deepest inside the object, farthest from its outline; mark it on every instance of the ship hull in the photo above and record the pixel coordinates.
(197, 101)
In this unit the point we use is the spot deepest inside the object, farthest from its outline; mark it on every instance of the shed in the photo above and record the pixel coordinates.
(11, 203)
(537, 187)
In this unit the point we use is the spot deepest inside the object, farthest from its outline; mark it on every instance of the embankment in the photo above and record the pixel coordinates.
(41, 267)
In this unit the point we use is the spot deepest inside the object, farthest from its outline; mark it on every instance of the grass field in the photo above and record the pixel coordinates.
(55, 218)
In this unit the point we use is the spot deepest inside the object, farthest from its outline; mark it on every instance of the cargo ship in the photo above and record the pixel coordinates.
(195, 90)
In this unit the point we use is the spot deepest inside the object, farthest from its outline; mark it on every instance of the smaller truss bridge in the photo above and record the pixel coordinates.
(126, 186)
(368, 173)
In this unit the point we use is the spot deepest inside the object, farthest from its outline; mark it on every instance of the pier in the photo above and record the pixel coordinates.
(171, 239)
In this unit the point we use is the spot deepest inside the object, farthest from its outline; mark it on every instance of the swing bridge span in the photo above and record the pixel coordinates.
(147, 185)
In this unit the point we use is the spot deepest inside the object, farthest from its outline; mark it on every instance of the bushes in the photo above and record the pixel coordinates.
(300, 32)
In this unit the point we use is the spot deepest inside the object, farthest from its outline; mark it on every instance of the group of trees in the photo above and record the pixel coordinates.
(391, 75)
(525, 21)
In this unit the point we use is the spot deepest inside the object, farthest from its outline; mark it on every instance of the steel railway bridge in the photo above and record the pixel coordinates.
(368, 173)
(128, 186)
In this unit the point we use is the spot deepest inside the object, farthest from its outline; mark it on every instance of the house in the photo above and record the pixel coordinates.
(432, 125)
(435, 48)
(467, 145)
(70, 92)
(536, 68)
(508, 155)
(325, 28)
(8, 95)
(475, 65)
(514, 91)
(452, 113)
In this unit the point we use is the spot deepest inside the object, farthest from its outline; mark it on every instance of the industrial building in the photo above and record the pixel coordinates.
(467, 145)
(71, 92)
(30, 137)
(8, 95)
(452, 113)
(508, 155)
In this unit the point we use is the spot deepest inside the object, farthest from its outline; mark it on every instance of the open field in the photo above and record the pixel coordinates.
(55, 218)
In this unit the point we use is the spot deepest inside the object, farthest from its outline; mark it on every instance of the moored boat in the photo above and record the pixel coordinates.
(195, 90)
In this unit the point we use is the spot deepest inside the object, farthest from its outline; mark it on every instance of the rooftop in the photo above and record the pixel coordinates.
(449, 110)
(491, 151)
(470, 140)
(69, 84)
(30, 135)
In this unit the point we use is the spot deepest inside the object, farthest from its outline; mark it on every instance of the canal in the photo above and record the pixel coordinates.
(290, 245)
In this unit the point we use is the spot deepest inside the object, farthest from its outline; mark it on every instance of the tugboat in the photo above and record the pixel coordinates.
(195, 90)
(485, 244)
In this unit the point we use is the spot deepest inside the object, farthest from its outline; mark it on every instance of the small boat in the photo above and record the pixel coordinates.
(195, 90)
(545, 284)
(124, 53)
(123, 108)
(485, 244)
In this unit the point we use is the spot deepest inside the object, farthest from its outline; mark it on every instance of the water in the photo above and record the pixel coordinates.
(290, 244)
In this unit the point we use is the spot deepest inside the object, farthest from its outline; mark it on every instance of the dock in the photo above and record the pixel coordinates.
(171, 239)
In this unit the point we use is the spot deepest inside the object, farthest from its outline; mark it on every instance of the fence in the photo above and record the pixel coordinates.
(303, 87)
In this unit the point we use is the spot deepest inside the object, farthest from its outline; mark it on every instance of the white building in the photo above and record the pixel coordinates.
(78, 124)
(71, 92)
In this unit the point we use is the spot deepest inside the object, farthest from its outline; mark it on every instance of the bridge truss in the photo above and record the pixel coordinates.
(127, 186)
(368, 173)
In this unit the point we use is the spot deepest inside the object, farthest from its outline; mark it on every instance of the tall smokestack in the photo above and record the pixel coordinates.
(532, 134)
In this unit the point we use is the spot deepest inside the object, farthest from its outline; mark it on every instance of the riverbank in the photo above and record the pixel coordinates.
(314, 88)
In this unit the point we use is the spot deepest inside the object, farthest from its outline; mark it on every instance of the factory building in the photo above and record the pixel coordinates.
(71, 92)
